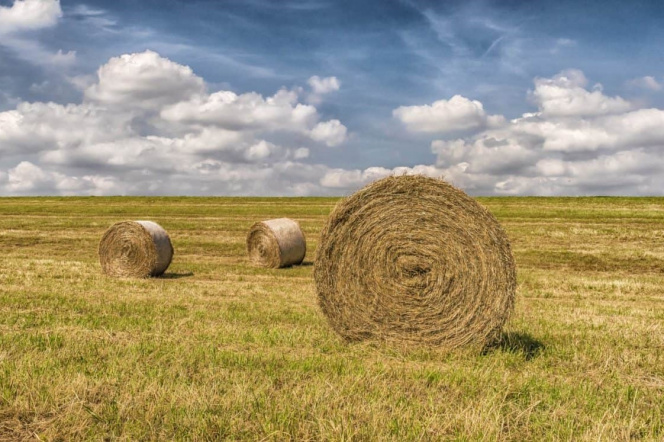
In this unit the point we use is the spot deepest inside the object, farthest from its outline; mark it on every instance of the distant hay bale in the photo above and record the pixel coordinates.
(415, 260)
(276, 243)
(135, 249)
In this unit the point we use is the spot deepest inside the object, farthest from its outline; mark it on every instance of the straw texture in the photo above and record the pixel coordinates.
(276, 243)
(413, 259)
(137, 249)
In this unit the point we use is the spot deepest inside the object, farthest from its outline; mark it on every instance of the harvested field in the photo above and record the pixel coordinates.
(220, 349)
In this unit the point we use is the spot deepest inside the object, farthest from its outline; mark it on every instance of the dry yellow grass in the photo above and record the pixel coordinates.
(219, 349)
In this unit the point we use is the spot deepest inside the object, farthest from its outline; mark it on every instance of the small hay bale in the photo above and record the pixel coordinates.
(135, 249)
(415, 260)
(276, 243)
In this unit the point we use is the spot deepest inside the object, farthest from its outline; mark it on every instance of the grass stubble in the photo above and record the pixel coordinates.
(219, 349)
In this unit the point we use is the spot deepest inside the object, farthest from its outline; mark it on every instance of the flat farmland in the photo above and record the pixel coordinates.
(220, 350)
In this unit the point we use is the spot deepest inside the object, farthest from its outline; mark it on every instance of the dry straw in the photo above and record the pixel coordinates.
(135, 249)
(413, 259)
(276, 243)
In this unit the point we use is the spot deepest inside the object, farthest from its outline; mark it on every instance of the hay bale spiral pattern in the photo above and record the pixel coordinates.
(276, 243)
(413, 259)
(135, 249)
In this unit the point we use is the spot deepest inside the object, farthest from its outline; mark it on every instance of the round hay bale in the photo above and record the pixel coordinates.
(415, 260)
(276, 243)
(135, 249)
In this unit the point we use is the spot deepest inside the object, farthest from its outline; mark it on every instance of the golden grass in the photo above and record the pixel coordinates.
(219, 349)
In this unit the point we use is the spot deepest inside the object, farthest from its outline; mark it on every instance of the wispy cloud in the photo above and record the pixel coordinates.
(34, 52)
(293, 5)
(95, 19)
(17, 25)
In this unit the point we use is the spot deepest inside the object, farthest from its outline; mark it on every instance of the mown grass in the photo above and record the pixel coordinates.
(218, 349)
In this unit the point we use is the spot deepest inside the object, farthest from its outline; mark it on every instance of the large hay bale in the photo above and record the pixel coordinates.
(414, 259)
(276, 243)
(135, 249)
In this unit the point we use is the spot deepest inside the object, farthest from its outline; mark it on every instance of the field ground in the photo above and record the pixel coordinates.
(218, 349)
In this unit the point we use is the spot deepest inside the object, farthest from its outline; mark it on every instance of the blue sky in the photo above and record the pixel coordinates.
(320, 97)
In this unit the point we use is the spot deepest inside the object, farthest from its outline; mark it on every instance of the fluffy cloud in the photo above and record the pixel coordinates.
(143, 81)
(37, 127)
(320, 87)
(149, 125)
(628, 172)
(349, 179)
(247, 111)
(324, 85)
(456, 114)
(330, 132)
(485, 155)
(579, 141)
(27, 178)
(565, 96)
(25, 15)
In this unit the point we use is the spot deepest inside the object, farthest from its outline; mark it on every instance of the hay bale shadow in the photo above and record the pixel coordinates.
(516, 342)
(176, 275)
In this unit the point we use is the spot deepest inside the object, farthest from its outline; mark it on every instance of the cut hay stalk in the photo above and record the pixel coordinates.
(135, 249)
(415, 260)
(276, 243)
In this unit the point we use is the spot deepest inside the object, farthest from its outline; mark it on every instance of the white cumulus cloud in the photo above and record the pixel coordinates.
(25, 15)
(143, 81)
(28, 178)
(246, 111)
(330, 132)
(324, 85)
(147, 124)
(351, 179)
(457, 113)
(565, 95)
(320, 87)
(580, 141)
